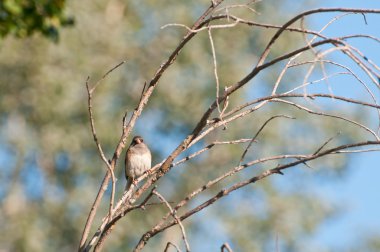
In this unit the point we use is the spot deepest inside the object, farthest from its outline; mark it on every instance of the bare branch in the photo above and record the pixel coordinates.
(109, 165)
(92, 123)
(127, 194)
(108, 224)
(209, 147)
(126, 130)
(205, 125)
(163, 226)
(294, 95)
(357, 151)
(306, 13)
(98, 145)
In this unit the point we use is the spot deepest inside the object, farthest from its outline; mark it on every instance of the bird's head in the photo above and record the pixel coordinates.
(137, 140)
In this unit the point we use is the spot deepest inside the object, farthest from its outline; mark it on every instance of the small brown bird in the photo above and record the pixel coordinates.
(138, 160)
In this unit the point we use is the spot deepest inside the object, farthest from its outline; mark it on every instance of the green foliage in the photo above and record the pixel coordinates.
(22, 18)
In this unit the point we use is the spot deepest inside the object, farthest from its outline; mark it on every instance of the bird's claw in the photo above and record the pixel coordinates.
(149, 172)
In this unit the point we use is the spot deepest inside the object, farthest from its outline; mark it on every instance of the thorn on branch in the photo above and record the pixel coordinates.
(278, 171)
(146, 237)
(306, 164)
(125, 119)
(88, 85)
(327, 142)
(223, 192)
(365, 19)
(142, 92)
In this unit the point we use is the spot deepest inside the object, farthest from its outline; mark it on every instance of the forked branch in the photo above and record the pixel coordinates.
(227, 115)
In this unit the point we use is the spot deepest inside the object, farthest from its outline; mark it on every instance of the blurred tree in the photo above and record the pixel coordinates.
(49, 166)
(22, 18)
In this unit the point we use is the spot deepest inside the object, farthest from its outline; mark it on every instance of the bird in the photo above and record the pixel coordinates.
(138, 160)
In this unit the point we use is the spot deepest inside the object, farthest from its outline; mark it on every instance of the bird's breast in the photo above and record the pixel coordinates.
(137, 164)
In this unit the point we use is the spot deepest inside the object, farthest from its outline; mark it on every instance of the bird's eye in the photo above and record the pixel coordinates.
(137, 140)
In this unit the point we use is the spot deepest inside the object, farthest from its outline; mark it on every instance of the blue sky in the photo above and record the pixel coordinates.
(359, 189)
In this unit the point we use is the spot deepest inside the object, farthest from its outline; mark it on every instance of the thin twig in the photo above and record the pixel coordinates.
(110, 168)
(106, 74)
(357, 151)
(325, 143)
(328, 115)
(173, 213)
(258, 132)
(98, 145)
(301, 15)
(202, 28)
(217, 180)
(171, 244)
(297, 95)
(232, 6)
(226, 247)
(215, 68)
(209, 147)
(283, 73)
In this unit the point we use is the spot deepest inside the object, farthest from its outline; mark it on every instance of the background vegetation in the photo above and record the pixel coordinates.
(49, 168)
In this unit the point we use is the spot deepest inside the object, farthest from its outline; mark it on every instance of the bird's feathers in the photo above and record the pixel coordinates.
(138, 160)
